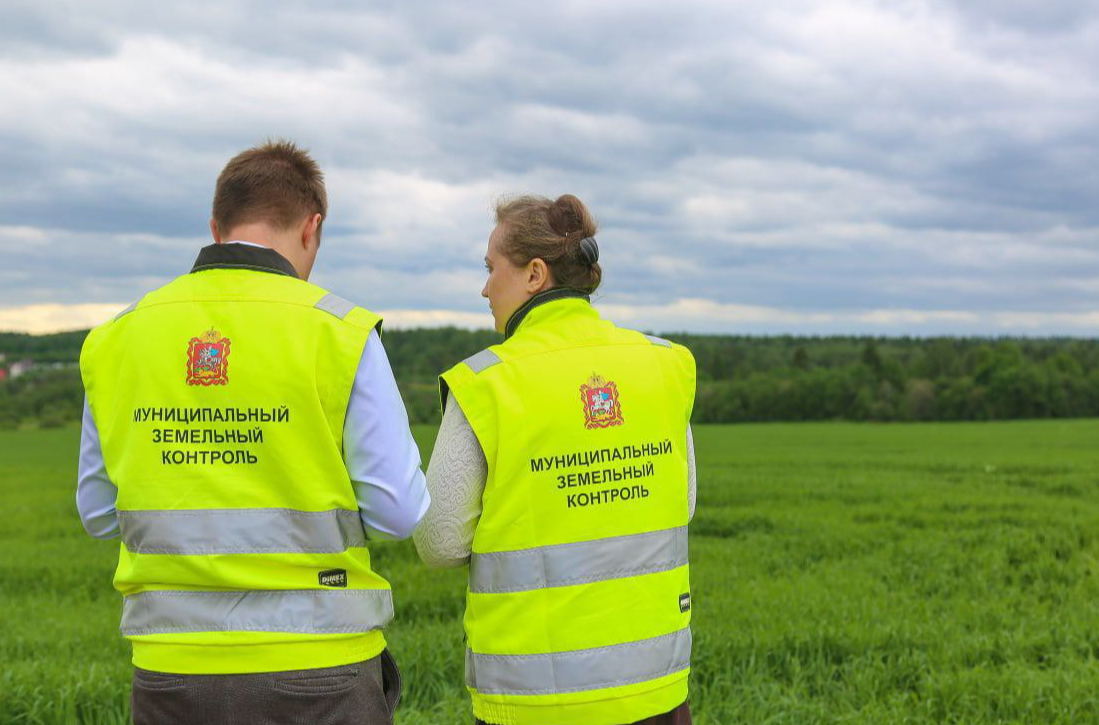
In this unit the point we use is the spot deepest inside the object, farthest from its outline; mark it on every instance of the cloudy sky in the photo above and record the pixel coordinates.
(895, 167)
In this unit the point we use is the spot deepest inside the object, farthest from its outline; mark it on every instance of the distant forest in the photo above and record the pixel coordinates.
(741, 378)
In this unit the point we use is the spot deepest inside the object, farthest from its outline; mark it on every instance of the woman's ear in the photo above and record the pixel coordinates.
(538, 276)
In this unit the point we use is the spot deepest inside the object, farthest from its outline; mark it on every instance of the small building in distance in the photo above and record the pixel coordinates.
(20, 367)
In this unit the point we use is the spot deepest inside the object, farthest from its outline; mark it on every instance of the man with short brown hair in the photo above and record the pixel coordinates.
(277, 185)
(245, 491)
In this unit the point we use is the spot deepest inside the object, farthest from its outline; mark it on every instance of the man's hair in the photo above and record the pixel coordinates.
(275, 182)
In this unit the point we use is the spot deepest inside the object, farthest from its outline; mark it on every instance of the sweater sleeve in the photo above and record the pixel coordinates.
(456, 478)
(692, 475)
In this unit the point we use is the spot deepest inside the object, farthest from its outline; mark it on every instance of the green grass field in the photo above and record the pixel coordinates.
(841, 574)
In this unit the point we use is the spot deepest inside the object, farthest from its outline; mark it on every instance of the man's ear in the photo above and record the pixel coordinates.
(310, 232)
(214, 231)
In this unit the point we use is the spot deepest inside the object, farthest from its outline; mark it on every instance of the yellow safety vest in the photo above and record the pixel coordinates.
(578, 606)
(220, 402)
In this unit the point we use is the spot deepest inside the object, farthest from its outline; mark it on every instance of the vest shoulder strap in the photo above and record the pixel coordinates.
(348, 311)
(659, 341)
(335, 305)
(482, 361)
(128, 310)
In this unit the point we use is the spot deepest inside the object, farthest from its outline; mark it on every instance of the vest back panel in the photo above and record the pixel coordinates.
(581, 544)
(220, 404)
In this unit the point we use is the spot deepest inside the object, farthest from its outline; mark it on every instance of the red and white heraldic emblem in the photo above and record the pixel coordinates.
(601, 406)
(208, 359)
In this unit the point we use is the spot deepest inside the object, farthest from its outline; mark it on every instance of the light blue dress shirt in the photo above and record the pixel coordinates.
(381, 456)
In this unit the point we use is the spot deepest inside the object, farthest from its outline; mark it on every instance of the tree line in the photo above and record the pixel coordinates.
(740, 378)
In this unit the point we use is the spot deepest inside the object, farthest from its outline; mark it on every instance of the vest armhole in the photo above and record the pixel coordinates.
(457, 377)
(444, 394)
(475, 364)
(459, 390)
(364, 319)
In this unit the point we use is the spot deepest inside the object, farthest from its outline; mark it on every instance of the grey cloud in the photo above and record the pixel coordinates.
(854, 155)
(1052, 16)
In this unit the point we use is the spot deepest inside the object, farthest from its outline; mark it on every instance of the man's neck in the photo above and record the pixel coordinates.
(262, 235)
(234, 255)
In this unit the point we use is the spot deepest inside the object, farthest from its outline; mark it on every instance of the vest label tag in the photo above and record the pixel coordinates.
(333, 578)
(685, 602)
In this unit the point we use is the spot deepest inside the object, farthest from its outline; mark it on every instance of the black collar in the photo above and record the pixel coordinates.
(243, 256)
(550, 295)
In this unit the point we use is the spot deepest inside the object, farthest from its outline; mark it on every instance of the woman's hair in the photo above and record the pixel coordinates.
(534, 226)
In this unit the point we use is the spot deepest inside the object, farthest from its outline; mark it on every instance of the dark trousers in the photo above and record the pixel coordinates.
(363, 693)
(679, 716)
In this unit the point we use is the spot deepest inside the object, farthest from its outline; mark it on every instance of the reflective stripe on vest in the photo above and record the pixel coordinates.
(578, 563)
(335, 305)
(482, 361)
(241, 531)
(659, 341)
(319, 611)
(579, 670)
(132, 306)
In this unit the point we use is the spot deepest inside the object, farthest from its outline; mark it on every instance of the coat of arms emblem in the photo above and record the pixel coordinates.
(208, 359)
(601, 406)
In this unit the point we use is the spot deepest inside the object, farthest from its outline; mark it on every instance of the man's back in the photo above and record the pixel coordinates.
(220, 402)
(244, 435)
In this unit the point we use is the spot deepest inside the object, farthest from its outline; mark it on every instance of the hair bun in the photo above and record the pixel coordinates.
(566, 215)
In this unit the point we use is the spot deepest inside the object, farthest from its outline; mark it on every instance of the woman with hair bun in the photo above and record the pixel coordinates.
(563, 474)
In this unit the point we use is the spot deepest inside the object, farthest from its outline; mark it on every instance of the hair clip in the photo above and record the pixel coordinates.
(589, 251)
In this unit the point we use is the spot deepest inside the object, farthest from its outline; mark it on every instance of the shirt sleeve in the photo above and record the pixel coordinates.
(692, 475)
(95, 493)
(456, 478)
(379, 451)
